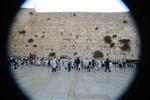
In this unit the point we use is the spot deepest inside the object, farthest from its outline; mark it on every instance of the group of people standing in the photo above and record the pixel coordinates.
(79, 64)
(75, 63)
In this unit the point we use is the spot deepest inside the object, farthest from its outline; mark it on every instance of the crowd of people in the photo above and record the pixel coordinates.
(76, 63)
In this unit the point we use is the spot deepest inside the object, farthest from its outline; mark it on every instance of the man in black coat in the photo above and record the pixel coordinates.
(107, 65)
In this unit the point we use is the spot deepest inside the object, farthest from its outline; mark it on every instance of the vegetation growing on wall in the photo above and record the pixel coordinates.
(114, 36)
(48, 18)
(96, 28)
(35, 45)
(126, 46)
(125, 21)
(30, 13)
(112, 45)
(124, 41)
(74, 14)
(52, 54)
(30, 40)
(42, 36)
(36, 35)
(98, 54)
(22, 32)
(107, 39)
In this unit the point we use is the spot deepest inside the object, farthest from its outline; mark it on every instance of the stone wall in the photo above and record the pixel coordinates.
(69, 32)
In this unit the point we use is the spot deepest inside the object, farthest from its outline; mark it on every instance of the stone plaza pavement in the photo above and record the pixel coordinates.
(39, 83)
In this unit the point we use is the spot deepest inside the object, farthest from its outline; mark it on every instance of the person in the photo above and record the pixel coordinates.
(111, 65)
(66, 64)
(120, 63)
(93, 63)
(77, 63)
(54, 65)
(72, 63)
(89, 66)
(99, 64)
(103, 63)
(69, 65)
(107, 65)
(124, 63)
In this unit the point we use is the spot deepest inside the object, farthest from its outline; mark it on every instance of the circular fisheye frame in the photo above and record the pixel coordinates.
(68, 55)
(41, 44)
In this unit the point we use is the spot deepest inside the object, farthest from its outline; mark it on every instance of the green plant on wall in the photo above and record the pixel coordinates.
(124, 41)
(114, 36)
(22, 32)
(125, 21)
(30, 40)
(30, 13)
(126, 46)
(112, 45)
(52, 54)
(98, 54)
(107, 39)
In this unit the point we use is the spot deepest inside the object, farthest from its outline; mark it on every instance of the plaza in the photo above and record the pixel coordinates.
(40, 83)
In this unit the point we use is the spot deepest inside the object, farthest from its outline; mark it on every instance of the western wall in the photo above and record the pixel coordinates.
(69, 32)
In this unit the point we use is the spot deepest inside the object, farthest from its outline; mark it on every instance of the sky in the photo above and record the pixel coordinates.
(76, 5)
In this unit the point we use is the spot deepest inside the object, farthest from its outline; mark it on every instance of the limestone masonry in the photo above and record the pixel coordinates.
(69, 32)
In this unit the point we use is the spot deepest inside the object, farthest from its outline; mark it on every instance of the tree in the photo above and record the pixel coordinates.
(98, 54)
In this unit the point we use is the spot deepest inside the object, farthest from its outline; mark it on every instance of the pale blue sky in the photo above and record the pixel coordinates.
(76, 5)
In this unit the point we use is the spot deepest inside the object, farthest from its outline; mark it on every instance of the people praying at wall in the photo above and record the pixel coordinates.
(69, 64)
(54, 65)
(107, 63)
(77, 63)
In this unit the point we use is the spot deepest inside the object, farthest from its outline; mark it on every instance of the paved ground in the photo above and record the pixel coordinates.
(42, 84)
